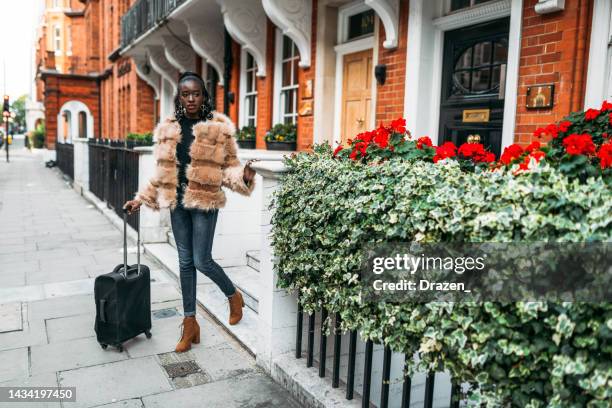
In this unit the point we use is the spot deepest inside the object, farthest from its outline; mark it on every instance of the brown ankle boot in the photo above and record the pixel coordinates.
(236, 304)
(189, 334)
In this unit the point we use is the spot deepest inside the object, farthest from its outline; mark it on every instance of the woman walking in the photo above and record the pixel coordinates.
(196, 156)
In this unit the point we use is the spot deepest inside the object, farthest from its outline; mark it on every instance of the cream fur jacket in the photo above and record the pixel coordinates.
(213, 164)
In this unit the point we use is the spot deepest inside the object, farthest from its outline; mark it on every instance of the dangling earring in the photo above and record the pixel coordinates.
(183, 110)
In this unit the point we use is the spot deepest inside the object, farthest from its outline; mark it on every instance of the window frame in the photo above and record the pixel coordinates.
(279, 90)
(246, 95)
(57, 39)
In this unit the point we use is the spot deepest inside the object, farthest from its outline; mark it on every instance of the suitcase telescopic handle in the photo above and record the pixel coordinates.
(125, 244)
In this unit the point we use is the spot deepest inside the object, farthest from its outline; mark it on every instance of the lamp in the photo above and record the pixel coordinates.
(380, 73)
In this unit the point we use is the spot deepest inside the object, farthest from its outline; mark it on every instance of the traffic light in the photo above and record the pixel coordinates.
(6, 106)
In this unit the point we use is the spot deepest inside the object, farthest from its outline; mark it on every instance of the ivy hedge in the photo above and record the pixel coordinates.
(327, 211)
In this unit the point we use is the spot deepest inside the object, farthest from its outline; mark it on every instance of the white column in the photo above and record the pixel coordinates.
(277, 309)
(81, 164)
(153, 224)
(599, 72)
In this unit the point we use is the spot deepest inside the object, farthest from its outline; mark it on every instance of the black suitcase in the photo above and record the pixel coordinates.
(123, 300)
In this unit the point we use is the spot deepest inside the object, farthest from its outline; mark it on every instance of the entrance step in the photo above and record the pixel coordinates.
(253, 259)
(210, 297)
(246, 279)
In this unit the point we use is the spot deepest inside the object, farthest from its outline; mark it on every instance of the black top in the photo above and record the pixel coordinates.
(182, 154)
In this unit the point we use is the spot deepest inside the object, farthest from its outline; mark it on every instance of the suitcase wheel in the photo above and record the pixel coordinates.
(120, 348)
(148, 334)
(104, 346)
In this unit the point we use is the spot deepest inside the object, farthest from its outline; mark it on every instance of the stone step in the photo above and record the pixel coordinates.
(253, 259)
(212, 299)
(247, 280)
(244, 277)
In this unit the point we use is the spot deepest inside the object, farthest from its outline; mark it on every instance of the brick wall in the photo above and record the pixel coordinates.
(265, 89)
(305, 134)
(554, 50)
(390, 96)
(60, 89)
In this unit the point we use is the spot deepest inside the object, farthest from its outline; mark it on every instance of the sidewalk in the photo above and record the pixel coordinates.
(54, 243)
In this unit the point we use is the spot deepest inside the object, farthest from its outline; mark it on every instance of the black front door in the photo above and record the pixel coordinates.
(473, 78)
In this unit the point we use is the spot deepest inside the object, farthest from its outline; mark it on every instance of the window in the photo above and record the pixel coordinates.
(211, 81)
(66, 125)
(461, 4)
(360, 24)
(69, 37)
(82, 124)
(250, 91)
(478, 68)
(57, 39)
(56, 3)
(289, 81)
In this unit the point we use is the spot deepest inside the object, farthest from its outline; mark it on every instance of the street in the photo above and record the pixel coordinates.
(54, 244)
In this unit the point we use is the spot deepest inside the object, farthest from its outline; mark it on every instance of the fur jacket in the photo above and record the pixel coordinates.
(213, 164)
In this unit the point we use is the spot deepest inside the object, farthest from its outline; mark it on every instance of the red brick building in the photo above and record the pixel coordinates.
(86, 89)
(497, 69)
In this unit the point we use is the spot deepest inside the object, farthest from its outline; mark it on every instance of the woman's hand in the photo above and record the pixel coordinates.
(132, 205)
(249, 173)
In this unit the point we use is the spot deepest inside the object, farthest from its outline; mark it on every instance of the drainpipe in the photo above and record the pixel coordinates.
(227, 71)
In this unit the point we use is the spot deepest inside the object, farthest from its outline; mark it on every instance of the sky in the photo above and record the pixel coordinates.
(18, 22)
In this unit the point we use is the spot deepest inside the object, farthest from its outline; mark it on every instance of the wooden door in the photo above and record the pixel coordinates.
(356, 94)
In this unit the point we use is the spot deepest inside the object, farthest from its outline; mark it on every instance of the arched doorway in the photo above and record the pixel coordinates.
(79, 122)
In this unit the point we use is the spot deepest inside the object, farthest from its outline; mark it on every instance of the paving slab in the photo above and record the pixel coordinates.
(61, 306)
(10, 317)
(51, 275)
(113, 382)
(70, 327)
(223, 361)
(42, 380)
(71, 354)
(166, 333)
(14, 363)
(131, 403)
(254, 390)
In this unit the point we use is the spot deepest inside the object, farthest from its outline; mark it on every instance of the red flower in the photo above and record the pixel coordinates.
(591, 114)
(399, 125)
(605, 155)
(476, 152)
(606, 106)
(382, 137)
(548, 130)
(366, 136)
(610, 120)
(448, 149)
(511, 153)
(579, 144)
(535, 145)
(337, 150)
(536, 155)
(423, 141)
(564, 126)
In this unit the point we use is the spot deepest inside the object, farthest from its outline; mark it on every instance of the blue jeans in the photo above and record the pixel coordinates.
(194, 230)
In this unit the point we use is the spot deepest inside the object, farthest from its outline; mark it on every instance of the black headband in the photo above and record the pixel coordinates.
(189, 74)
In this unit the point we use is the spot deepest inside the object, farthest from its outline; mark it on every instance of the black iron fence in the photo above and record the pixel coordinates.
(143, 15)
(65, 158)
(376, 361)
(113, 175)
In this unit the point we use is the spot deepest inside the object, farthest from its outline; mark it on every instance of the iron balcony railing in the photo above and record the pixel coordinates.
(143, 15)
